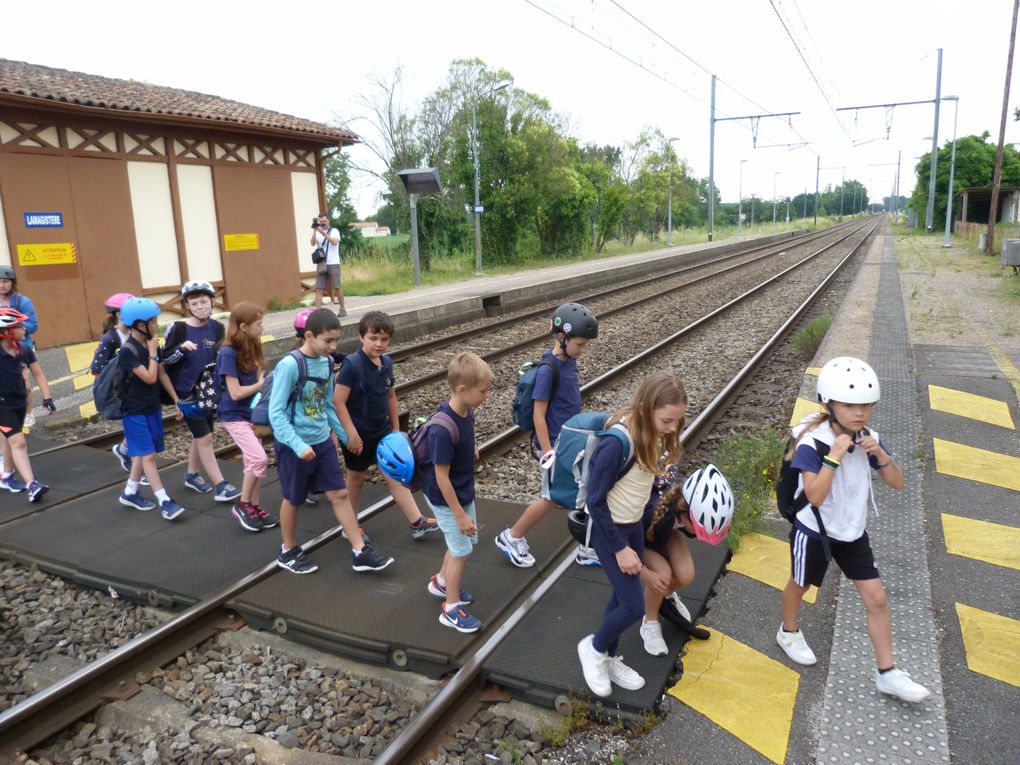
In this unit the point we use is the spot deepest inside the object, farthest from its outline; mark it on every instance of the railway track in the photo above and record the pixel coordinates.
(48, 711)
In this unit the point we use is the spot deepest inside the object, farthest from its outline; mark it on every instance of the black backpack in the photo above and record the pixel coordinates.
(110, 387)
(788, 500)
(420, 445)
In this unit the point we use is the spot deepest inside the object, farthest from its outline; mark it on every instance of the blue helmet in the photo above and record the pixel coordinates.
(138, 309)
(395, 458)
(190, 408)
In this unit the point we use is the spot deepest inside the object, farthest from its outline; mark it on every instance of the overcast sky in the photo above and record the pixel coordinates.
(311, 59)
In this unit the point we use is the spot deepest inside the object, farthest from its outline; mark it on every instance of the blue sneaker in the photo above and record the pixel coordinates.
(459, 619)
(137, 501)
(120, 452)
(35, 491)
(440, 591)
(196, 482)
(227, 492)
(170, 510)
(12, 484)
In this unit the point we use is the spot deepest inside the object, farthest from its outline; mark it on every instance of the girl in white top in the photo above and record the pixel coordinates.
(616, 502)
(836, 454)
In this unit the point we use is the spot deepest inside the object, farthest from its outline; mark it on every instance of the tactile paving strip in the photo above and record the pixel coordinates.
(858, 724)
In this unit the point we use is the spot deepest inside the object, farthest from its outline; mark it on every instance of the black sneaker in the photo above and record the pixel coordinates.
(370, 559)
(268, 520)
(296, 562)
(246, 516)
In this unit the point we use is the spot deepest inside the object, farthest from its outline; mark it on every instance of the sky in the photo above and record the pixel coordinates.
(612, 67)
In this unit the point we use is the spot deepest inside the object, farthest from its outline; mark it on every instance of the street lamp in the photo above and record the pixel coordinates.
(474, 151)
(740, 202)
(774, 176)
(669, 204)
(952, 169)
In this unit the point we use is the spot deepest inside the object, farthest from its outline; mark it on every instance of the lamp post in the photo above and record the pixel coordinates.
(669, 197)
(774, 176)
(740, 202)
(474, 151)
(952, 169)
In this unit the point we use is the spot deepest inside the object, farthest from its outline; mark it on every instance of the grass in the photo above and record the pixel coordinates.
(578, 719)
(808, 339)
(750, 463)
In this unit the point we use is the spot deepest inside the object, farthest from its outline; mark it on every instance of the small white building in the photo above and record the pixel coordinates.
(371, 229)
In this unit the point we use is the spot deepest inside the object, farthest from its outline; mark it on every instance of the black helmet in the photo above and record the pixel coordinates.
(578, 522)
(6, 272)
(574, 320)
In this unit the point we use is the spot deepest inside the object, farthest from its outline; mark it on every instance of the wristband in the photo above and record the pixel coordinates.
(154, 358)
(883, 465)
(830, 463)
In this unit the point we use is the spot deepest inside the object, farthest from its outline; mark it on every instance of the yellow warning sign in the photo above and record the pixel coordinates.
(235, 242)
(52, 254)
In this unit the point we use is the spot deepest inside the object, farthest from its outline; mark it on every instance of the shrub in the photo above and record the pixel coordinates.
(750, 463)
(808, 339)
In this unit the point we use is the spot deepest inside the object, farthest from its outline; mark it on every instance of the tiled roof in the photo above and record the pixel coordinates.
(78, 88)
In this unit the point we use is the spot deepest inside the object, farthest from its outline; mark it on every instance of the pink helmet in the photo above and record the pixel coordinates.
(114, 302)
(301, 319)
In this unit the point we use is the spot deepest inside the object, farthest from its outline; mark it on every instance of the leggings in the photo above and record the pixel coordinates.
(627, 603)
(252, 452)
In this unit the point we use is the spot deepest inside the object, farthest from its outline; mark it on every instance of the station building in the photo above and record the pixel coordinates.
(113, 185)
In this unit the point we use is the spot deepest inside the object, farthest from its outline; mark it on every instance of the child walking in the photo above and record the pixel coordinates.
(306, 457)
(14, 359)
(115, 334)
(835, 455)
(143, 417)
(241, 369)
(367, 405)
(190, 359)
(557, 398)
(616, 501)
(449, 486)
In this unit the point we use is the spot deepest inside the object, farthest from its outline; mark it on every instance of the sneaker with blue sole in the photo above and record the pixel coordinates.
(196, 482)
(459, 619)
(226, 492)
(36, 490)
(439, 591)
(170, 509)
(137, 501)
(586, 556)
(12, 484)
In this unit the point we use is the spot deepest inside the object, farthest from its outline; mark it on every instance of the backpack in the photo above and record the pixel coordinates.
(788, 500)
(522, 408)
(109, 388)
(570, 471)
(260, 404)
(420, 445)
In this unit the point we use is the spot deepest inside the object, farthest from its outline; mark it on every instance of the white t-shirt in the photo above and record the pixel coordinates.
(332, 250)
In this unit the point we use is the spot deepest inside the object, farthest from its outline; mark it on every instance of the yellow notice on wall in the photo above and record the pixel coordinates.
(235, 242)
(52, 254)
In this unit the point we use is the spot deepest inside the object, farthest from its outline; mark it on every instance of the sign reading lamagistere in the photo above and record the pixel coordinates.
(44, 220)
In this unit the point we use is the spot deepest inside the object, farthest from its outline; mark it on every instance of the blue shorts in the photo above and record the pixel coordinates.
(459, 545)
(299, 477)
(144, 433)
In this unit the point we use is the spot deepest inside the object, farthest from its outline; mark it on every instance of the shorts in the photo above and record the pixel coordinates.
(359, 463)
(807, 558)
(298, 478)
(329, 275)
(143, 433)
(459, 544)
(200, 427)
(12, 421)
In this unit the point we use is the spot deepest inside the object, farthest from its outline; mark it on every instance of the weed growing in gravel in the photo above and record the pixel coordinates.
(509, 745)
(808, 340)
(750, 463)
(578, 719)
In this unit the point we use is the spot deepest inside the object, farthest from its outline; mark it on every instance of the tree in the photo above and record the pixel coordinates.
(341, 211)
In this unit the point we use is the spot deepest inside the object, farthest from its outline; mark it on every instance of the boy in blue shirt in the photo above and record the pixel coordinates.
(449, 486)
(366, 403)
(306, 456)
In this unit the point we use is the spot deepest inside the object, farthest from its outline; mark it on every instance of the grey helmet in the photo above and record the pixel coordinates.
(574, 320)
(7, 272)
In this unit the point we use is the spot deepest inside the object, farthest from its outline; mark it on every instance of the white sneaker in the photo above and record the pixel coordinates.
(623, 675)
(678, 605)
(796, 646)
(595, 666)
(897, 683)
(586, 556)
(651, 634)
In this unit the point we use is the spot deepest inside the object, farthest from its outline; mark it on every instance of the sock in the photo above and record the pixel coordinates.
(441, 581)
(162, 496)
(888, 669)
(451, 606)
(131, 487)
(357, 551)
(789, 632)
(418, 523)
(511, 537)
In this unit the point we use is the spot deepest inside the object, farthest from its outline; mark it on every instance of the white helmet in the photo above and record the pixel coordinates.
(849, 381)
(710, 499)
(197, 287)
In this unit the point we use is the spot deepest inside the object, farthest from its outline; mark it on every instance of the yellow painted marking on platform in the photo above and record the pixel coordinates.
(88, 410)
(813, 371)
(802, 408)
(741, 690)
(1006, 365)
(977, 464)
(84, 381)
(767, 560)
(970, 405)
(991, 642)
(989, 542)
(267, 338)
(79, 356)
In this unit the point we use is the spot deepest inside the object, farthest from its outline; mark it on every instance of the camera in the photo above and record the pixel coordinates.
(315, 222)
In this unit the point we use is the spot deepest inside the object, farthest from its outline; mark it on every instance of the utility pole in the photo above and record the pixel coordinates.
(929, 213)
(997, 175)
(818, 170)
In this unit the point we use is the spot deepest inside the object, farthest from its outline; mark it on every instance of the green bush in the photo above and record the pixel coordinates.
(750, 463)
(809, 339)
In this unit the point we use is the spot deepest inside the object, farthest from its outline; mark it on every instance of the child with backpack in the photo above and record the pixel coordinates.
(616, 502)
(115, 334)
(138, 362)
(449, 486)
(555, 397)
(240, 372)
(367, 405)
(700, 507)
(836, 482)
(14, 360)
(302, 415)
(190, 359)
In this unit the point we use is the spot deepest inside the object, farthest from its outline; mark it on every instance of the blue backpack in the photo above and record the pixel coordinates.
(260, 404)
(523, 407)
(570, 471)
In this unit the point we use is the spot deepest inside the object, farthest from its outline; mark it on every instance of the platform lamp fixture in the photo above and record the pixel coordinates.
(952, 169)
(669, 196)
(421, 180)
(474, 152)
(740, 202)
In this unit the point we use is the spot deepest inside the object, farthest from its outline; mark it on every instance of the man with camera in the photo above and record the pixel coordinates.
(327, 272)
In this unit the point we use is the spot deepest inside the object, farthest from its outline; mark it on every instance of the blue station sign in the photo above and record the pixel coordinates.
(44, 220)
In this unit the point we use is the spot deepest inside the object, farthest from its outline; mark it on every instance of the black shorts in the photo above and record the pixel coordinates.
(359, 463)
(807, 558)
(201, 426)
(11, 422)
